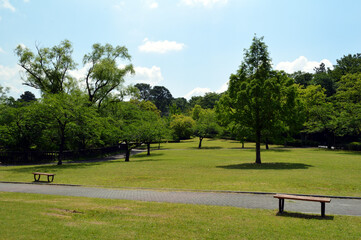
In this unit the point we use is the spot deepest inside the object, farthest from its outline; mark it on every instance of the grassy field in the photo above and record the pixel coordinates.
(33, 216)
(220, 165)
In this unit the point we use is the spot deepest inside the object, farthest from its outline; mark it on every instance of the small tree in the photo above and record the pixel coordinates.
(206, 126)
(182, 126)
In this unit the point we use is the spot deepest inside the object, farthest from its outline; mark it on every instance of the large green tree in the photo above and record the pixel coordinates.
(69, 119)
(257, 97)
(104, 75)
(348, 105)
(47, 69)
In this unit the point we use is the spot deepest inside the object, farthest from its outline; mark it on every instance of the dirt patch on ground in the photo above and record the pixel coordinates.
(66, 210)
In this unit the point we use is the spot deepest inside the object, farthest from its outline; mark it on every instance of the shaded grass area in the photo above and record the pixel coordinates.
(35, 216)
(297, 171)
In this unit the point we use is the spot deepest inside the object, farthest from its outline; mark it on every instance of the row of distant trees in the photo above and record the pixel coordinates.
(261, 104)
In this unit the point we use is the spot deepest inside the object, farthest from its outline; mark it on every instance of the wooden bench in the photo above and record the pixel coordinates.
(282, 198)
(38, 174)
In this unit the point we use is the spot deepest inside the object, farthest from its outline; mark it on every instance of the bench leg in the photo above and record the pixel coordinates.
(323, 209)
(281, 204)
(52, 178)
(36, 179)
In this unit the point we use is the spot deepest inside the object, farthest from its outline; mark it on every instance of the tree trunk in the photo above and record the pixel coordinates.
(329, 139)
(148, 148)
(127, 152)
(267, 147)
(200, 142)
(258, 147)
(61, 148)
(242, 144)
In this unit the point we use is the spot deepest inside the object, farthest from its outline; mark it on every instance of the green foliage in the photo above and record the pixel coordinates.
(3, 92)
(27, 97)
(196, 111)
(144, 91)
(21, 127)
(136, 125)
(48, 68)
(302, 78)
(348, 64)
(70, 119)
(318, 111)
(208, 101)
(325, 80)
(145, 105)
(162, 98)
(348, 105)
(181, 104)
(182, 126)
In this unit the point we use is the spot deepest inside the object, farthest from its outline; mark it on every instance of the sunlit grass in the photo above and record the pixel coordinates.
(221, 165)
(35, 216)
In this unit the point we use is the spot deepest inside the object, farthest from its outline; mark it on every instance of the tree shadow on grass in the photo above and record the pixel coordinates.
(347, 152)
(53, 168)
(304, 216)
(276, 150)
(152, 155)
(245, 148)
(205, 147)
(271, 166)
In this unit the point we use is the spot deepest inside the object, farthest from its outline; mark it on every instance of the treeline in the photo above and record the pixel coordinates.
(76, 114)
(323, 107)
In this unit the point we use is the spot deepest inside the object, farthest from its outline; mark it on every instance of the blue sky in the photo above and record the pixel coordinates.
(189, 46)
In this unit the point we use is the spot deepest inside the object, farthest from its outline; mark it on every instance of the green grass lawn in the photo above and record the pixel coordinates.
(35, 216)
(220, 165)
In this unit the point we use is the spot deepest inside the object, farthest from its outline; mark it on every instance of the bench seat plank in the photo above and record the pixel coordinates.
(46, 174)
(303, 198)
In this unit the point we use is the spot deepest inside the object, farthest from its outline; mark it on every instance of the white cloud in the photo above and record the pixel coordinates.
(152, 4)
(80, 73)
(302, 64)
(160, 46)
(197, 92)
(152, 76)
(26, 1)
(223, 88)
(6, 4)
(1, 50)
(205, 3)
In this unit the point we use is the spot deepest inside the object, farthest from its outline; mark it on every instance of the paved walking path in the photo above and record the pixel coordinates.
(263, 201)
